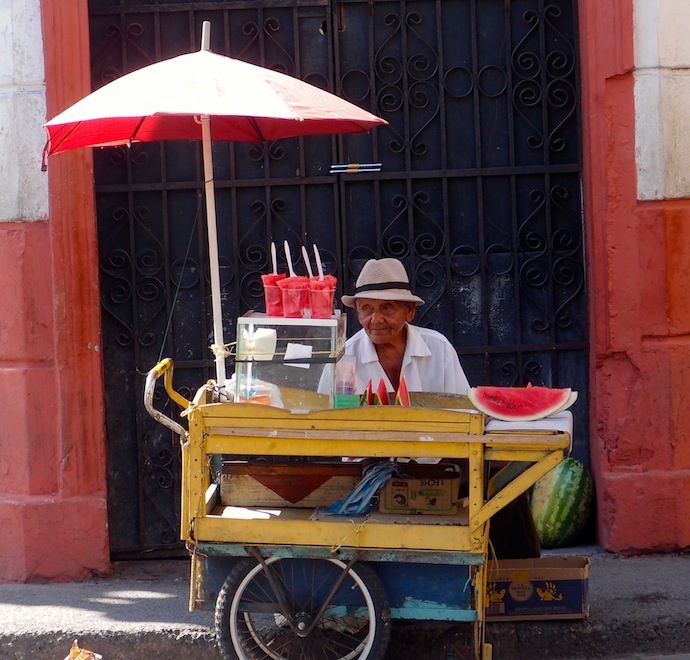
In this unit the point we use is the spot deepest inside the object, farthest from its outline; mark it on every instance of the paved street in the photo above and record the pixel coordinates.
(639, 609)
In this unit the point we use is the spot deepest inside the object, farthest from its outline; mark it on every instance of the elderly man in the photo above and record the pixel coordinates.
(388, 346)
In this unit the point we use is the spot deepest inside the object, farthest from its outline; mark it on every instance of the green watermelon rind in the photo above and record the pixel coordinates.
(561, 502)
(509, 404)
(571, 400)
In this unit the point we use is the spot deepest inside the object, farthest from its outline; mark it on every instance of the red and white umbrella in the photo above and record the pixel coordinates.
(204, 96)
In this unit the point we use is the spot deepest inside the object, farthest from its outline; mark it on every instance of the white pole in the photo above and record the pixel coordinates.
(212, 231)
(213, 251)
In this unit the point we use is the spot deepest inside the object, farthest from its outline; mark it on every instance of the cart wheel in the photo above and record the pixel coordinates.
(250, 624)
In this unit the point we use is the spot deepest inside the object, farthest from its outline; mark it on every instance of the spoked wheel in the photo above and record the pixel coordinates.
(289, 616)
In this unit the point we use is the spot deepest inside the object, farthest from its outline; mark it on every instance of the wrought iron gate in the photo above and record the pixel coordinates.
(479, 196)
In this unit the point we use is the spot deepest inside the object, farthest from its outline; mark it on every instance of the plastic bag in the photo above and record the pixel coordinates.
(77, 653)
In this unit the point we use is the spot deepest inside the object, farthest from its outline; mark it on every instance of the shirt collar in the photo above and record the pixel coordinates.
(415, 347)
(367, 350)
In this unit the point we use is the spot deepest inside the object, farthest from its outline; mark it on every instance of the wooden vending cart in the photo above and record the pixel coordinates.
(290, 582)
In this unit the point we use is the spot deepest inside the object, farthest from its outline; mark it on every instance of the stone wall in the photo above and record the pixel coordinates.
(662, 98)
(24, 189)
(638, 233)
(53, 494)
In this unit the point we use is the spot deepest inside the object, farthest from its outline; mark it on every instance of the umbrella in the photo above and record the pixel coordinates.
(203, 96)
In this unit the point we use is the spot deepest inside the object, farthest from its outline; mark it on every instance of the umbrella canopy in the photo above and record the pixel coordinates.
(163, 101)
(204, 96)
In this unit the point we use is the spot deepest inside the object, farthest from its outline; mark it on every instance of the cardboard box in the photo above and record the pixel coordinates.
(551, 587)
(427, 489)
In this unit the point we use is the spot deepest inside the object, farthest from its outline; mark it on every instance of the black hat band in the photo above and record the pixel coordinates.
(381, 286)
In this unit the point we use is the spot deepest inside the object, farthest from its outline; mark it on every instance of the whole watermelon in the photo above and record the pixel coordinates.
(561, 502)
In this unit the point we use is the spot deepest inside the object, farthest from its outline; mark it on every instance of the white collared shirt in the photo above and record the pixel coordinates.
(430, 363)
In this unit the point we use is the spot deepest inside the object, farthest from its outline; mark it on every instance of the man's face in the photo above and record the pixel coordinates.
(384, 320)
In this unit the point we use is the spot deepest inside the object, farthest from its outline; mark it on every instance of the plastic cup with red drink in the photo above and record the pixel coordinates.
(273, 293)
(295, 291)
(321, 296)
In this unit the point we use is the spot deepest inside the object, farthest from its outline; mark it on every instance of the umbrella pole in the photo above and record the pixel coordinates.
(219, 344)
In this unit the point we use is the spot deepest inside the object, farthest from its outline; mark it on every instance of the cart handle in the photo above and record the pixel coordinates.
(164, 368)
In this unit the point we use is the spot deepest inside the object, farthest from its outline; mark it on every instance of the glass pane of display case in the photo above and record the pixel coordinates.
(288, 362)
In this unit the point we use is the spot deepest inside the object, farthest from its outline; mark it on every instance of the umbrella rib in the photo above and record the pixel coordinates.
(136, 129)
(253, 123)
(50, 147)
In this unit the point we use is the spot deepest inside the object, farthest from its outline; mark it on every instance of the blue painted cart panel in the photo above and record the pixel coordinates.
(424, 592)
(428, 592)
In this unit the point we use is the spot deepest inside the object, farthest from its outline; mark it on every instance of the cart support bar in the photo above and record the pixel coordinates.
(164, 368)
(521, 483)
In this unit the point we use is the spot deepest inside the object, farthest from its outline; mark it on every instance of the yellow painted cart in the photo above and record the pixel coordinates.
(289, 583)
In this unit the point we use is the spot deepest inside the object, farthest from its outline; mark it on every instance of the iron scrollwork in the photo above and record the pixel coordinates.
(479, 194)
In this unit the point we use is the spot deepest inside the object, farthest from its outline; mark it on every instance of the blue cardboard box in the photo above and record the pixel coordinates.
(553, 587)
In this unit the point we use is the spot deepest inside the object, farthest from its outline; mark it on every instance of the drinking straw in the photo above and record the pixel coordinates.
(273, 258)
(288, 257)
(319, 265)
(307, 262)
(321, 296)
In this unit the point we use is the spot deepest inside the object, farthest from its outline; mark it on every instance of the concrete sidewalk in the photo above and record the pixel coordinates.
(638, 605)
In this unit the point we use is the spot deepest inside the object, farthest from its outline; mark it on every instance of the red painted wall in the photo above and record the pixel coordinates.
(639, 277)
(53, 496)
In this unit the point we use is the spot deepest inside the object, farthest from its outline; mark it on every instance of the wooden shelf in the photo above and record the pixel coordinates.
(305, 527)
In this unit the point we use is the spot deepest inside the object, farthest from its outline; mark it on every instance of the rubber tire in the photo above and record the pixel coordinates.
(231, 644)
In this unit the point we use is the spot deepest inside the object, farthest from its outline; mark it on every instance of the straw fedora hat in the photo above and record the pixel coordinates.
(383, 279)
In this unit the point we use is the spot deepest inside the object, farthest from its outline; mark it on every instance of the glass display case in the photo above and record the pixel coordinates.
(288, 362)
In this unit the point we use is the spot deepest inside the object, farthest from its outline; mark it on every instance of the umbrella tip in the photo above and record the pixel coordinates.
(206, 35)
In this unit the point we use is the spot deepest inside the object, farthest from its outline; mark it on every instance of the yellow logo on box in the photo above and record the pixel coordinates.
(493, 594)
(549, 592)
(520, 591)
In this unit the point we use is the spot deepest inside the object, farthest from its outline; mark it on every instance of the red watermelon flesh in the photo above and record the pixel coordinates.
(402, 396)
(371, 395)
(367, 398)
(520, 404)
(382, 393)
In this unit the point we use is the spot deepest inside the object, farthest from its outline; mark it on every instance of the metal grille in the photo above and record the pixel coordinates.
(481, 191)
(479, 196)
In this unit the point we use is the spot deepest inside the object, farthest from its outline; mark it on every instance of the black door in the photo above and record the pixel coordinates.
(479, 196)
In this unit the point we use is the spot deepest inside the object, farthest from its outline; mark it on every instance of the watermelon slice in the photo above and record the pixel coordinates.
(520, 404)
(382, 394)
(402, 396)
(371, 395)
(367, 398)
(571, 399)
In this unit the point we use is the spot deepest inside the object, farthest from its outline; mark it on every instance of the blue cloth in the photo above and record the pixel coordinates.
(361, 499)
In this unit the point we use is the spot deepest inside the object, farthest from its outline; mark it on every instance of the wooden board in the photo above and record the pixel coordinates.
(288, 484)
